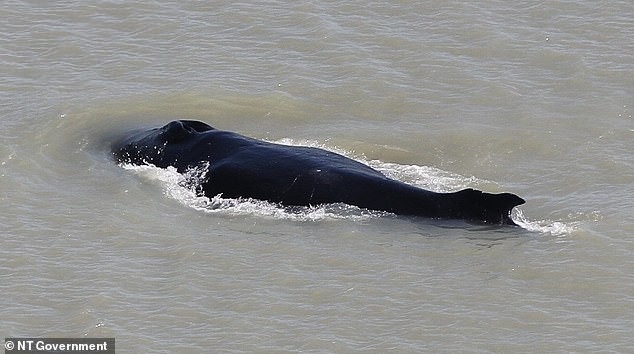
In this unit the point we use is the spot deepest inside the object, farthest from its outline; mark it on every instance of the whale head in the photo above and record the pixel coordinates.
(147, 146)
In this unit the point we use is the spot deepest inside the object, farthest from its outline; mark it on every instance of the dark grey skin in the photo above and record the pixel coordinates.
(242, 167)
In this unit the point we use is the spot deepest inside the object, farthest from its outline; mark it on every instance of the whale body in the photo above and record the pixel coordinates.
(243, 167)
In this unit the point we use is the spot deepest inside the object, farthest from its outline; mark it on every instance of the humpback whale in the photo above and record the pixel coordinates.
(243, 167)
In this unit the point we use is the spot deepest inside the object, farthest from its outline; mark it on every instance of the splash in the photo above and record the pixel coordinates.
(425, 177)
(554, 228)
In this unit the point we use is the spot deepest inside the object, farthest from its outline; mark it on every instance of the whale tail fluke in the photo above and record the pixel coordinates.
(484, 207)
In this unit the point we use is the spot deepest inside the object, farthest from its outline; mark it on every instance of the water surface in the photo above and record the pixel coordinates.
(530, 98)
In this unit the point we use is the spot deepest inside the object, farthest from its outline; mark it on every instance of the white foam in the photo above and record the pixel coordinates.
(555, 228)
(425, 177)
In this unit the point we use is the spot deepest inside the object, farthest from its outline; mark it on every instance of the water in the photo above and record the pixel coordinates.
(530, 98)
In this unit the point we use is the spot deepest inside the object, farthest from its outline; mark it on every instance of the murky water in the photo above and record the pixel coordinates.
(530, 98)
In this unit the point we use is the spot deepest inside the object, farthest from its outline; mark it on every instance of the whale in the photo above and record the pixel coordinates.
(238, 166)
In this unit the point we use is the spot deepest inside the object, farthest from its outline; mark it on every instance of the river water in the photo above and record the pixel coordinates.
(533, 98)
